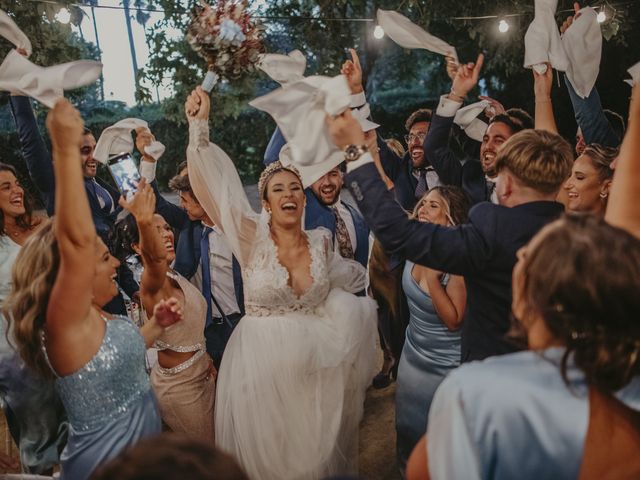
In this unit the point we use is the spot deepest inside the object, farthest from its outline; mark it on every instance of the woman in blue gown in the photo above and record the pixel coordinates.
(436, 306)
(62, 276)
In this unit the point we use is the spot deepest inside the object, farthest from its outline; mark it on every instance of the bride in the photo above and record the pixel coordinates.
(293, 377)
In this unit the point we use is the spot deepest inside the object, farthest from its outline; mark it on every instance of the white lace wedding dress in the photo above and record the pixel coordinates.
(291, 386)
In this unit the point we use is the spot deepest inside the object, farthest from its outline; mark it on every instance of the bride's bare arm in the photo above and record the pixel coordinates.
(215, 180)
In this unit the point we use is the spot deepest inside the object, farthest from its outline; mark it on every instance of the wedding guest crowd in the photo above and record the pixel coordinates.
(506, 281)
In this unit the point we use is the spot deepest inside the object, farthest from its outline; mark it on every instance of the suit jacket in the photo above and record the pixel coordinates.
(467, 174)
(400, 171)
(188, 245)
(40, 167)
(483, 251)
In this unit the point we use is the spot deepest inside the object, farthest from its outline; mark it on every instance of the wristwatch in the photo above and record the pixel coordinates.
(354, 152)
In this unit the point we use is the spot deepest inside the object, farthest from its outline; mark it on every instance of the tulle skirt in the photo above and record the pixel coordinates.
(291, 389)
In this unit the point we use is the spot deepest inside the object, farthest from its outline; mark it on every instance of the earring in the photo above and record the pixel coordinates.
(603, 195)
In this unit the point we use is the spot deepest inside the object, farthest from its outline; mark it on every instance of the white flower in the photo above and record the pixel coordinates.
(231, 32)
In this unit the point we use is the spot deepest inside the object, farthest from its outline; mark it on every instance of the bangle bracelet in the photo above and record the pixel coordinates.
(453, 93)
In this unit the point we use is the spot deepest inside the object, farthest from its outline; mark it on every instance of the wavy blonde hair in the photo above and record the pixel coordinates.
(33, 276)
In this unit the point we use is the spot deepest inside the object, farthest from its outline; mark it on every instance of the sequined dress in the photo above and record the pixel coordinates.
(292, 381)
(109, 401)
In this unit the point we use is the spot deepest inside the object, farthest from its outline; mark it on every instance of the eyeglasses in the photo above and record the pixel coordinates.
(412, 136)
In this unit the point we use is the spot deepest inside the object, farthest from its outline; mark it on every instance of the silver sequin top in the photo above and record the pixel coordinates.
(111, 383)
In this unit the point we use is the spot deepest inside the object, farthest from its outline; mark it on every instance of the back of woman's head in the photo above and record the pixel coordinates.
(171, 456)
(583, 277)
(33, 276)
(125, 235)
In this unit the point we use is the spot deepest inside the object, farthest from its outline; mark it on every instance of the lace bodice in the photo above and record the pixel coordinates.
(267, 289)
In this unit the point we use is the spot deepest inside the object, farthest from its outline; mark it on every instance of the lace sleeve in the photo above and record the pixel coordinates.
(217, 186)
(343, 273)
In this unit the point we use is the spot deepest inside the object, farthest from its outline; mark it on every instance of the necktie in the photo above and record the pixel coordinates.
(421, 187)
(342, 235)
(206, 271)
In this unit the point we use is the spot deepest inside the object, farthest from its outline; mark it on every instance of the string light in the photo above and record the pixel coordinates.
(378, 32)
(63, 16)
(503, 26)
(602, 16)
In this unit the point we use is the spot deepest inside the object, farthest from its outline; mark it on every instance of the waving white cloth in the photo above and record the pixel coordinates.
(284, 69)
(11, 31)
(635, 74)
(362, 114)
(467, 119)
(311, 173)
(582, 43)
(45, 84)
(118, 139)
(300, 110)
(542, 41)
(409, 35)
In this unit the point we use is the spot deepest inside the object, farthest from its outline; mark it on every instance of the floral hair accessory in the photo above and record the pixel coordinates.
(227, 38)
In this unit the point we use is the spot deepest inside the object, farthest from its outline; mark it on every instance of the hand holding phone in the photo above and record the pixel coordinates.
(125, 173)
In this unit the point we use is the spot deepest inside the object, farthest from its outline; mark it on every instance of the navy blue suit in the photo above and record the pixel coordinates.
(187, 262)
(40, 167)
(483, 251)
(318, 214)
(450, 169)
(400, 172)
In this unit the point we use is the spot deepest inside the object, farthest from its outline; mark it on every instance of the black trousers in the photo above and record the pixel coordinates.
(217, 335)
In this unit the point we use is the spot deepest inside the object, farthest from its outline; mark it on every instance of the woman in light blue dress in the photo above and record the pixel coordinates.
(436, 306)
(528, 415)
(62, 276)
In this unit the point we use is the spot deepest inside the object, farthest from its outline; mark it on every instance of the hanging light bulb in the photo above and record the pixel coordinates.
(602, 16)
(378, 32)
(503, 26)
(63, 16)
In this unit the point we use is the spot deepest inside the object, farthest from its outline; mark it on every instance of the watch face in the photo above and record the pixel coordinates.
(351, 152)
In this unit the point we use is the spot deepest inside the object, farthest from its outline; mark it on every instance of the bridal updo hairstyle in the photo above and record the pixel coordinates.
(583, 278)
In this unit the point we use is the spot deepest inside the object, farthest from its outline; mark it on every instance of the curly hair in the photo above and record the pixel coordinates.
(125, 235)
(33, 276)
(24, 220)
(588, 296)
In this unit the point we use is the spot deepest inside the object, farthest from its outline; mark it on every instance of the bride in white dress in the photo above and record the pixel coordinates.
(293, 377)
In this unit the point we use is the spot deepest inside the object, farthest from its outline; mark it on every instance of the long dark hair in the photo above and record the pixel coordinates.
(583, 278)
(125, 234)
(24, 220)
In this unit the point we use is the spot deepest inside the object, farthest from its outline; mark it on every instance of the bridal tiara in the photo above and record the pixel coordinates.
(270, 171)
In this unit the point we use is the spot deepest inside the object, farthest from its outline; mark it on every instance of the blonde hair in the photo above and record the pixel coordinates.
(540, 160)
(33, 276)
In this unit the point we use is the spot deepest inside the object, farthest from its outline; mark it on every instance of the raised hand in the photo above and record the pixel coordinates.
(452, 67)
(542, 83)
(466, 79)
(496, 108)
(353, 71)
(197, 105)
(569, 21)
(345, 130)
(167, 312)
(143, 204)
(144, 138)
(65, 126)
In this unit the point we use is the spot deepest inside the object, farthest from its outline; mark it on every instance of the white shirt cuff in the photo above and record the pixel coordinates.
(363, 160)
(447, 107)
(148, 170)
(358, 100)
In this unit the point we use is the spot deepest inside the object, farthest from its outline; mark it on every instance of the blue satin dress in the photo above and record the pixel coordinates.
(430, 351)
(109, 402)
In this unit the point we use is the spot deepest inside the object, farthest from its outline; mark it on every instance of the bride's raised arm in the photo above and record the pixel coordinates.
(215, 180)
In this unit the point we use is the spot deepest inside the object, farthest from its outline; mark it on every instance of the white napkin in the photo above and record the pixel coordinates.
(409, 35)
(311, 173)
(117, 139)
(635, 74)
(467, 119)
(11, 31)
(362, 114)
(284, 69)
(582, 43)
(542, 41)
(300, 110)
(45, 84)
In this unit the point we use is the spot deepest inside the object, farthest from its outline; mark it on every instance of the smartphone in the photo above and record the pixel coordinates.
(125, 173)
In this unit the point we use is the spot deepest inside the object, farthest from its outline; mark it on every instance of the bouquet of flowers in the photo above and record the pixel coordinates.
(227, 38)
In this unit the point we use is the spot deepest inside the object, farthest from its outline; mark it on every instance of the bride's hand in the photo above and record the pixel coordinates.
(197, 105)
